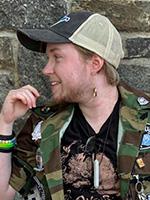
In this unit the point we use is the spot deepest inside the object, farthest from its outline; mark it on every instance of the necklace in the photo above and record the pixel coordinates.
(90, 149)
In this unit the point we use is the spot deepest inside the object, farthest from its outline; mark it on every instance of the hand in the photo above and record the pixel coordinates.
(17, 103)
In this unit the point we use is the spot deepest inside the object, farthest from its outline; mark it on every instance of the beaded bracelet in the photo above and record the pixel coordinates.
(7, 143)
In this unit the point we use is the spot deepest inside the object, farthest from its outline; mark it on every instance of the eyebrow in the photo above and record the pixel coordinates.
(53, 49)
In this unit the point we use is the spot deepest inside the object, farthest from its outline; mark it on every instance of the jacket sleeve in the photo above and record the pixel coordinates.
(23, 156)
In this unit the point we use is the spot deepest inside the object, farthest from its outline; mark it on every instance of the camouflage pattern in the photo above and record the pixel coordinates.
(133, 118)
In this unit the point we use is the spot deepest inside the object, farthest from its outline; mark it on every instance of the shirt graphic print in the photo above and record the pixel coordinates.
(77, 162)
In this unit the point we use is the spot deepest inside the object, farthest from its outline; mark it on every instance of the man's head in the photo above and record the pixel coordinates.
(72, 75)
(93, 32)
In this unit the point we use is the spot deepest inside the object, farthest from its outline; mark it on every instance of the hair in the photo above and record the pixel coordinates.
(112, 75)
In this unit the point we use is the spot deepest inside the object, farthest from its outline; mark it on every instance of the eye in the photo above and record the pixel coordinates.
(57, 57)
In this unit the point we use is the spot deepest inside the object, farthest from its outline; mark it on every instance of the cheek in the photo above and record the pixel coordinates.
(68, 74)
(70, 80)
(72, 72)
(75, 76)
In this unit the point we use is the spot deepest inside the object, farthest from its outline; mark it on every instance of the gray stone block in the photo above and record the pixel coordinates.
(6, 53)
(136, 73)
(126, 15)
(7, 82)
(138, 47)
(30, 14)
(30, 65)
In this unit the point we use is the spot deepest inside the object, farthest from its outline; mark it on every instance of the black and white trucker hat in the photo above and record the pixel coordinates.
(86, 29)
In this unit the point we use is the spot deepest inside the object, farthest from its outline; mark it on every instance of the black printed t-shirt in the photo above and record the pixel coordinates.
(79, 145)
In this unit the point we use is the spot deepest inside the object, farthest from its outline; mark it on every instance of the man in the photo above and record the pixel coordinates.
(92, 140)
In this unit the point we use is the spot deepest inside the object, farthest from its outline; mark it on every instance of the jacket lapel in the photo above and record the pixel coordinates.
(50, 148)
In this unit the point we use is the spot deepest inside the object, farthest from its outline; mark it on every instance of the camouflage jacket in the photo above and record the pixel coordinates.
(134, 116)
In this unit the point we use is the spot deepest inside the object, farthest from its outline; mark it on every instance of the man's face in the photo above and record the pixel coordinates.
(68, 73)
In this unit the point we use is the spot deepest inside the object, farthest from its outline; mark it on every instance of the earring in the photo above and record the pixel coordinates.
(94, 92)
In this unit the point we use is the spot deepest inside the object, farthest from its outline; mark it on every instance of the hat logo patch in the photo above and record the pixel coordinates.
(64, 19)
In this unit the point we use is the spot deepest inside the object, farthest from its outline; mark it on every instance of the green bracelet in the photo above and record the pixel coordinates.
(6, 145)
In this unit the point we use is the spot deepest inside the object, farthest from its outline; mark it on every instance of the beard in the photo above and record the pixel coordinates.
(71, 95)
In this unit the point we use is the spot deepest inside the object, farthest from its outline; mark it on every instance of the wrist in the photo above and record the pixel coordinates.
(5, 128)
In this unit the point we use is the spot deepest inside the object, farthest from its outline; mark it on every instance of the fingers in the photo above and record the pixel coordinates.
(27, 95)
(32, 89)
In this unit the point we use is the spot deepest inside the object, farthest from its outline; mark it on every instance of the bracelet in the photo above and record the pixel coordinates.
(7, 137)
(6, 150)
(7, 143)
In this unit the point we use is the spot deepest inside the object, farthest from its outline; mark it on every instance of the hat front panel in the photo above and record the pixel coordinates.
(68, 24)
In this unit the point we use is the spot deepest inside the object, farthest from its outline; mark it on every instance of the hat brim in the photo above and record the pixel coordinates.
(36, 40)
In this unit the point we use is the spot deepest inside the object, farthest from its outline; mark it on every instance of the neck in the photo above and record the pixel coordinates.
(106, 97)
(98, 109)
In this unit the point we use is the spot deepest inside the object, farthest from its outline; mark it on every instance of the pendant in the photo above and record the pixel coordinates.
(96, 173)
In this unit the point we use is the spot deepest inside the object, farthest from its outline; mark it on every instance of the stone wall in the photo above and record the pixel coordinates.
(19, 66)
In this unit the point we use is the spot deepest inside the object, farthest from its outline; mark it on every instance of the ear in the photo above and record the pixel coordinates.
(96, 64)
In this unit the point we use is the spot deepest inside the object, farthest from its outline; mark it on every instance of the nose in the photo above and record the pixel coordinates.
(48, 69)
